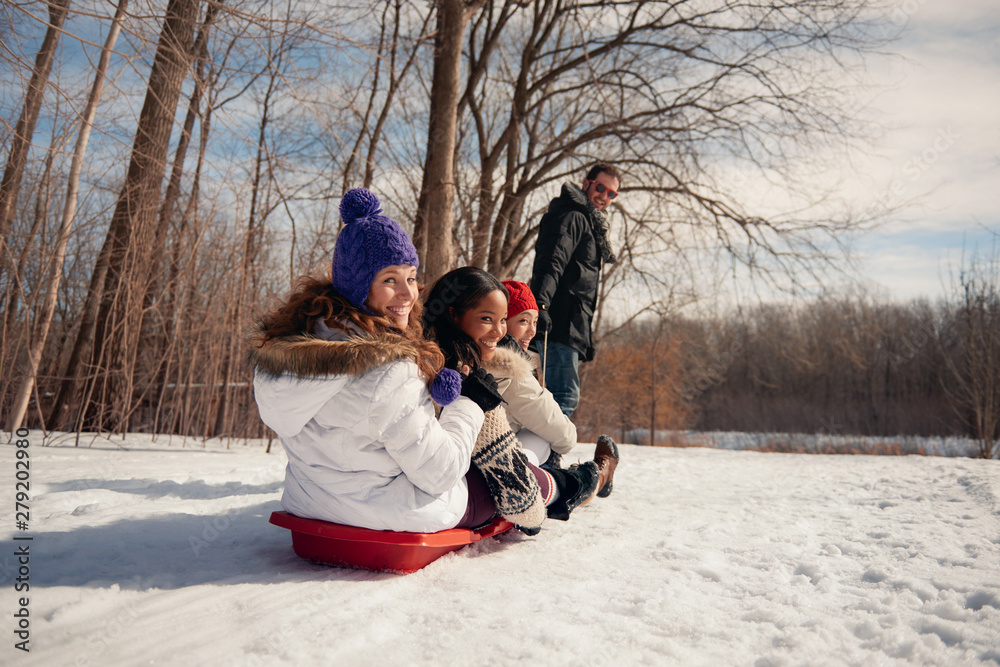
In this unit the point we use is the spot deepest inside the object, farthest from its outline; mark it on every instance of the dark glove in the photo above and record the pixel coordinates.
(482, 389)
(544, 321)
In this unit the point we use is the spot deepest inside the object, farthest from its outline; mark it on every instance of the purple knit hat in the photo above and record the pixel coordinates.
(368, 243)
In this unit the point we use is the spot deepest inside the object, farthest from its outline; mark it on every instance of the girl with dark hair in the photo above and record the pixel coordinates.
(344, 376)
(465, 312)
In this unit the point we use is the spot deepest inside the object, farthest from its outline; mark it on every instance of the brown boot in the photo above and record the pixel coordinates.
(606, 458)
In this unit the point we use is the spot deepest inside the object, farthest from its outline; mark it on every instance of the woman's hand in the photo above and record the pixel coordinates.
(481, 387)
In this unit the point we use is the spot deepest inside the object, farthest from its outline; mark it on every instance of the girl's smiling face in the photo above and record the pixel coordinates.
(393, 293)
(486, 323)
(523, 327)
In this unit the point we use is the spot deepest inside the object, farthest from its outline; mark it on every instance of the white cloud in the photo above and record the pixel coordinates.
(941, 148)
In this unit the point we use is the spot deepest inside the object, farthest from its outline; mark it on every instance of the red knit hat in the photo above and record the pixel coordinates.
(521, 298)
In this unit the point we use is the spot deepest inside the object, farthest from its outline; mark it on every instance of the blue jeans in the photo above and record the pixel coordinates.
(562, 375)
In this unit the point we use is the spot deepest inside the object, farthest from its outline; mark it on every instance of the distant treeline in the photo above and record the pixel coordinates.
(844, 366)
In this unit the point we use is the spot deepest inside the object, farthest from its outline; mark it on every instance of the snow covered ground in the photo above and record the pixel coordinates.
(160, 553)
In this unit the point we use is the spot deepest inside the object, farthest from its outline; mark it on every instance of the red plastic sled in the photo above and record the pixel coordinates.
(382, 550)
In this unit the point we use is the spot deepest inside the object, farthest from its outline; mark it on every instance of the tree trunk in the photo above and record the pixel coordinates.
(41, 328)
(25, 127)
(180, 153)
(168, 309)
(29, 254)
(119, 320)
(184, 252)
(251, 244)
(13, 173)
(435, 219)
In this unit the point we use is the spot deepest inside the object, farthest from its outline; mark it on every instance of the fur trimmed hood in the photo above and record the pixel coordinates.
(308, 356)
(507, 363)
(529, 405)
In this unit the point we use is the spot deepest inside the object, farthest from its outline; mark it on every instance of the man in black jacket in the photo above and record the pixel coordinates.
(572, 247)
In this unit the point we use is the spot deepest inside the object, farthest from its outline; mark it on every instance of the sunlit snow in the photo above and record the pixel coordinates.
(160, 552)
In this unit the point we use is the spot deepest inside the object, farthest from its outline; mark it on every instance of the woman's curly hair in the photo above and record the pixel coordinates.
(314, 298)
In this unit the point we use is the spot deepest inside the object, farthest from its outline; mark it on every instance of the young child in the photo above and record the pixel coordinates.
(544, 431)
(465, 312)
(522, 314)
(344, 376)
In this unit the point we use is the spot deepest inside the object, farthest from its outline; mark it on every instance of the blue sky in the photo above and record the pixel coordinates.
(941, 148)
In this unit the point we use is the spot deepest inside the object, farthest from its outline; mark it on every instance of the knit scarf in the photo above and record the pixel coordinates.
(600, 226)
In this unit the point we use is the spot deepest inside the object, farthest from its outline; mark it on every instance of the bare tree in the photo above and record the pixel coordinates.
(390, 52)
(17, 158)
(469, 141)
(120, 278)
(972, 351)
(672, 92)
(435, 221)
(43, 320)
(645, 369)
(25, 128)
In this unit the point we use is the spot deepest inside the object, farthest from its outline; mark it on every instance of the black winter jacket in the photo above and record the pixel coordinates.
(566, 271)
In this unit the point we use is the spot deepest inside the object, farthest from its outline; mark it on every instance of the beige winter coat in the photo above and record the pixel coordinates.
(528, 404)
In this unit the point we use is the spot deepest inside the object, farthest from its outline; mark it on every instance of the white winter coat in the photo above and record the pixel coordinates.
(357, 422)
(529, 405)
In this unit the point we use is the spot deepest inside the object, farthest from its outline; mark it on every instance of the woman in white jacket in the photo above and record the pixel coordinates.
(345, 378)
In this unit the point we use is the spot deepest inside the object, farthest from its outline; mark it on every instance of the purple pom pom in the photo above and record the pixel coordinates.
(446, 386)
(359, 204)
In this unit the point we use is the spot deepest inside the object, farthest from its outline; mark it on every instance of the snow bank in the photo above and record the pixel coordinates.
(160, 553)
(814, 443)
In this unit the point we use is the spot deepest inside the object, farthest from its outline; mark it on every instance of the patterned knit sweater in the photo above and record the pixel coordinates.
(499, 457)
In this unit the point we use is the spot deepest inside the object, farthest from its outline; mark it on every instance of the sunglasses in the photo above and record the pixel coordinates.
(601, 187)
